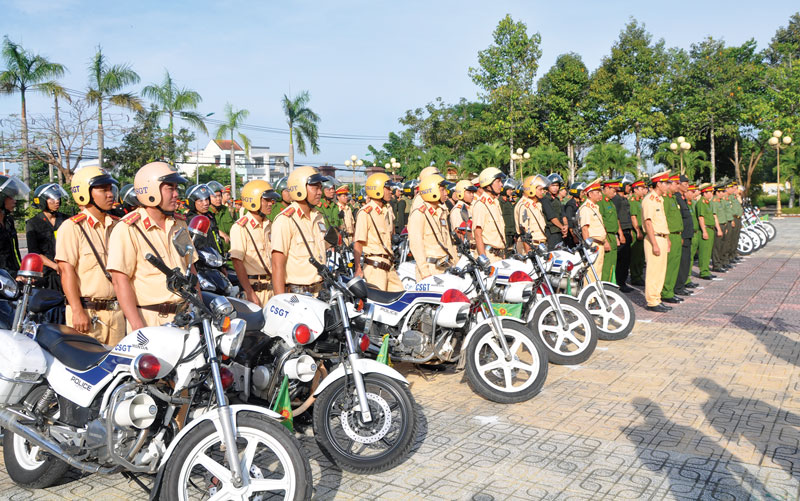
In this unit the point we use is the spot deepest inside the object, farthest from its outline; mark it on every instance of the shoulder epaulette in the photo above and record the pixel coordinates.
(179, 217)
(288, 211)
(422, 208)
(367, 209)
(242, 221)
(131, 218)
(77, 218)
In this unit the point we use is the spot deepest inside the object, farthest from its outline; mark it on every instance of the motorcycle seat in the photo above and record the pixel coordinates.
(42, 300)
(379, 296)
(70, 347)
(254, 319)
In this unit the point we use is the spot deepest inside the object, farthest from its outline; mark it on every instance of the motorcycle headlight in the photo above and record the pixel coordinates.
(211, 257)
(8, 286)
(206, 285)
(231, 341)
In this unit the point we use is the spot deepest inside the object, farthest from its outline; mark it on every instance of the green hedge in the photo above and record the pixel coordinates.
(762, 200)
(793, 210)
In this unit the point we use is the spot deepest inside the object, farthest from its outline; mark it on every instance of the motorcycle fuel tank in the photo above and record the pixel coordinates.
(284, 311)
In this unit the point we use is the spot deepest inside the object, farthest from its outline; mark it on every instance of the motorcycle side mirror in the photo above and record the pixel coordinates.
(332, 236)
(358, 287)
(182, 242)
(8, 286)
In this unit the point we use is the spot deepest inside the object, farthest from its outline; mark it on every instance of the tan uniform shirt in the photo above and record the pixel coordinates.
(457, 215)
(127, 250)
(72, 248)
(416, 202)
(426, 226)
(589, 214)
(347, 221)
(286, 239)
(653, 209)
(535, 222)
(242, 247)
(366, 231)
(486, 214)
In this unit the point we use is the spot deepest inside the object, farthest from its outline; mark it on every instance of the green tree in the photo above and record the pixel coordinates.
(25, 72)
(695, 162)
(460, 127)
(561, 100)
(546, 159)
(626, 90)
(213, 173)
(506, 73)
(302, 124)
(105, 83)
(232, 123)
(610, 160)
(172, 101)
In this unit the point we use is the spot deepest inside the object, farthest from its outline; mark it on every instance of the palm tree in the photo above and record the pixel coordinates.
(25, 71)
(232, 122)
(610, 159)
(55, 90)
(302, 124)
(174, 101)
(105, 82)
(547, 158)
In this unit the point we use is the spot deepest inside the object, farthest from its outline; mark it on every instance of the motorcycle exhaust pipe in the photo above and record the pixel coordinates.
(10, 421)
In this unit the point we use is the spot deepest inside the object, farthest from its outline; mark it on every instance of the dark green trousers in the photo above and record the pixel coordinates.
(673, 264)
(637, 259)
(698, 235)
(704, 251)
(610, 259)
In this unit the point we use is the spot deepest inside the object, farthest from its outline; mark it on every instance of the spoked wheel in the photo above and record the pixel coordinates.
(770, 229)
(762, 235)
(745, 245)
(616, 321)
(365, 447)
(272, 464)
(570, 343)
(494, 377)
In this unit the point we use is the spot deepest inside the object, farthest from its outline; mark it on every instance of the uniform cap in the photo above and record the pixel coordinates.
(661, 177)
(693, 187)
(706, 187)
(675, 178)
(684, 179)
(613, 183)
(638, 184)
(593, 186)
(343, 190)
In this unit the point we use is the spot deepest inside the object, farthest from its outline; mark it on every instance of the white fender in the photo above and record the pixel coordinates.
(364, 366)
(213, 416)
(486, 321)
(589, 287)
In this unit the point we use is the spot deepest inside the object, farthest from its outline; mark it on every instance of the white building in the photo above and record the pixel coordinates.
(261, 164)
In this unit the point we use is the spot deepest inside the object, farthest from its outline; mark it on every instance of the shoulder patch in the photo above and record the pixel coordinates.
(179, 217)
(288, 211)
(77, 218)
(367, 209)
(131, 218)
(422, 208)
(242, 221)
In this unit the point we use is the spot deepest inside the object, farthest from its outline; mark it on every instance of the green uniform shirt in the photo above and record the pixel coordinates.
(276, 209)
(224, 220)
(705, 209)
(693, 207)
(609, 215)
(636, 210)
(330, 211)
(721, 210)
(673, 214)
(737, 206)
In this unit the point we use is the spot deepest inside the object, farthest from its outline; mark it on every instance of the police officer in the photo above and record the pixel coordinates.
(736, 211)
(216, 207)
(488, 225)
(682, 197)
(657, 242)
(328, 206)
(614, 236)
(591, 224)
(428, 235)
(528, 215)
(623, 208)
(298, 233)
(571, 207)
(373, 237)
(464, 193)
(507, 208)
(285, 200)
(224, 213)
(345, 212)
(675, 224)
(417, 200)
(718, 255)
(82, 254)
(251, 242)
(11, 190)
(557, 227)
(140, 287)
(692, 199)
(399, 208)
(198, 199)
(40, 230)
(709, 226)
(638, 192)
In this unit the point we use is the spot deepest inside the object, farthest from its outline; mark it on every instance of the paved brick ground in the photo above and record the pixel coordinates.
(698, 403)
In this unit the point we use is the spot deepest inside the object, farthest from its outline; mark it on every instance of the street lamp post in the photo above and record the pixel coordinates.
(519, 157)
(679, 146)
(776, 141)
(392, 165)
(353, 163)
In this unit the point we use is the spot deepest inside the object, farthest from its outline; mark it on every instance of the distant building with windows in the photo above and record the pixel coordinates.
(262, 163)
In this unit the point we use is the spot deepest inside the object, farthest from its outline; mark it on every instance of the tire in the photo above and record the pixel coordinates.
(616, 323)
(569, 347)
(185, 477)
(26, 464)
(483, 363)
(745, 246)
(338, 428)
(770, 229)
(762, 237)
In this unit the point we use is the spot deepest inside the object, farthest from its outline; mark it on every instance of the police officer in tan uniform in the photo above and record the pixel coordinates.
(528, 214)
(141, 288)
(82, 253)
(591, 224)
(428, 235)
(487, 216)
(417, 200)
(461, 213)
(373, 237)
(298, 233)
(656, 243)
(348, 222)
(251, 247)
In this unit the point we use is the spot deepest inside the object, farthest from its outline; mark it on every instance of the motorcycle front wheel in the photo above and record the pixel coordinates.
(572, 344)
(770, 229)
(493, 377)
(366, 447)
(273, 463)
(745, 245)
(617, 321)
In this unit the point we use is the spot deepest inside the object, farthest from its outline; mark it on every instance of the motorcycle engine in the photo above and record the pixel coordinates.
(416, 342)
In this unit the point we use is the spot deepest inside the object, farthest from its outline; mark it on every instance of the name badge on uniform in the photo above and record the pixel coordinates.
(443, 221)
(321, 227)
(658, 210)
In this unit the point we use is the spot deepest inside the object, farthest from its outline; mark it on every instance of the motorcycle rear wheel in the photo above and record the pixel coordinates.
(570, 347)
(770, 229)
(380, 444)
(506, 382)
(615, 324)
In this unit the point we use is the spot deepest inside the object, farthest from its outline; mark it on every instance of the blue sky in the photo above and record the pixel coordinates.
(364, 62)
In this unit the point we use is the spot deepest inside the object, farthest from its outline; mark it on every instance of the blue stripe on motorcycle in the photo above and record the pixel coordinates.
(407, 299)
(98, 372)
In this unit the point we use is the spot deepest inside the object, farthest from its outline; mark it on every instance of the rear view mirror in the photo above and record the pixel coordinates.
(182, 242)
(332, 237)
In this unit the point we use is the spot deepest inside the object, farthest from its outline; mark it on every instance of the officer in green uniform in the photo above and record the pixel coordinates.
(285, 201)
(724, 218)
(223, 214)
(736, 220)
(611, 223)
(675, 225)
(507, 209)
(327, 205)
(637, 246)
(707, 222)
(692, 199)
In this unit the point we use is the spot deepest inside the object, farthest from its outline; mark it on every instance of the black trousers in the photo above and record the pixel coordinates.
(553, 239)
(623, 259)
(718, 250)
(686, 264)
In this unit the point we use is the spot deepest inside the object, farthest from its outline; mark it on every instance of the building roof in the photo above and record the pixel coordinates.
(225, 144)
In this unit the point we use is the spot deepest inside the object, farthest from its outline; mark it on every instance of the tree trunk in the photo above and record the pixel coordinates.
(638, 146)
(233, 171)
(737, 161)
(713, 153)
(59, 157)
(26, 173)
(571, 162)
(100, 133)
(171, 139)
(291, 148)
(791, 191)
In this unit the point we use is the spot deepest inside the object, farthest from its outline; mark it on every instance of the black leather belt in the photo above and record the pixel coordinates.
(100, 304)
(304, 289)
(377, 264)
(266, 276)
(163, 309)
(261, 286)
(662, 235)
